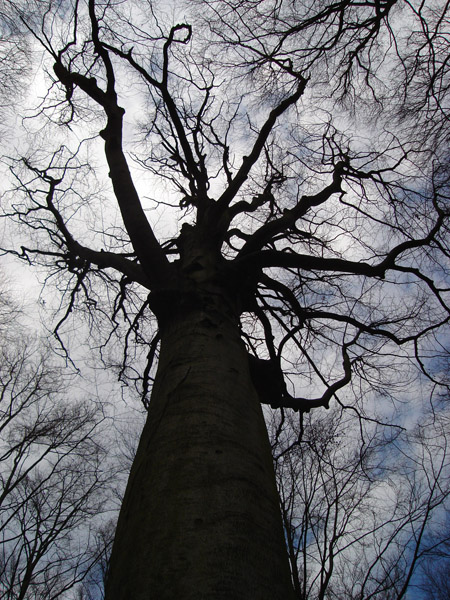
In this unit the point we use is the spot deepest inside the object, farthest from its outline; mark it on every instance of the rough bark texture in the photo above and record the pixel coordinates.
(200, 518)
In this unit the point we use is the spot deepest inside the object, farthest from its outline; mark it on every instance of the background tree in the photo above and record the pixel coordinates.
(280, 247)
(15, 64)
(359, 507)
(435, 581)
(54, 477)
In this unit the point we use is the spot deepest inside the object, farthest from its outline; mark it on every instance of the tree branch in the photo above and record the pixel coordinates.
(269, 230)
(229, 194)
(148, 250)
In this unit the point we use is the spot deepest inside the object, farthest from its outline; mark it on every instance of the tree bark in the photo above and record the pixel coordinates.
(201, 517)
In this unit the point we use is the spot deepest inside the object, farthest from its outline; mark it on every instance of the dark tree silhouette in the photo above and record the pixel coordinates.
(297, 245)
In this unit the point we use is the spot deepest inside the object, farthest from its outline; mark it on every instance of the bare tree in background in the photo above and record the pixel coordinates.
(15, 63)
(358, 506)
(286, 238)
(53, 473)
(435, 582)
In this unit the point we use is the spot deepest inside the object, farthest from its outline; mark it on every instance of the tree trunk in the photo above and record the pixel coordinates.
(200, 517)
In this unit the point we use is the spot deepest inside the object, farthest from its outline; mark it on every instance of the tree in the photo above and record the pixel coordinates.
(359, 507)
(303, 249)
(14, 62)
(54, 486)
(436, 577)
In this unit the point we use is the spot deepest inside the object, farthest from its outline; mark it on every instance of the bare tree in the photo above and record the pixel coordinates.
(359, 507)
(436, 579)
(15, 62)
(53, 471)
(280, 247)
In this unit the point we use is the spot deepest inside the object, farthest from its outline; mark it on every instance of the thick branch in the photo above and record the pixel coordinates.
(269, 230)
(103, 259)
(277, 258)
(110, 260)
(289, 259)
(239, 179)
(306, 404)
(197, 179)
(148, 250)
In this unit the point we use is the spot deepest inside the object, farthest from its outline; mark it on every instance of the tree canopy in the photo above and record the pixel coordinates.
(301, 146)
